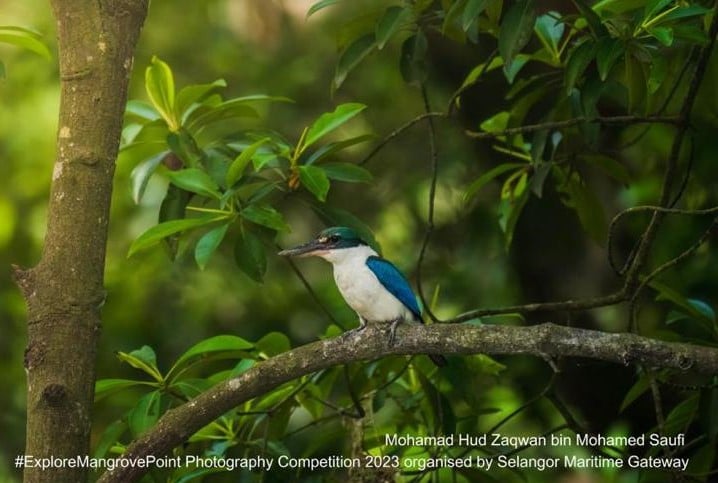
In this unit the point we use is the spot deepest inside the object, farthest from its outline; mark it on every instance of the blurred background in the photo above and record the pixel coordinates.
(269, 47)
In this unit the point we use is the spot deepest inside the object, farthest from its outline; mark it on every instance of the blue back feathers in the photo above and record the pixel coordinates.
(393, 280)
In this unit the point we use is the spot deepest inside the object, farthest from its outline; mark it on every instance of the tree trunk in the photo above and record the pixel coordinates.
(64, 292)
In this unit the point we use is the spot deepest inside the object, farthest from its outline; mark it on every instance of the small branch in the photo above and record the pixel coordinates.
(177, 425)
(432, 197)
(637, 209)
(567, 305)
(633, 325)
(608, 120)
(398, 131)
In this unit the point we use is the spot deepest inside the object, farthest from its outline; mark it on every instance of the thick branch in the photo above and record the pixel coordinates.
(547, 340)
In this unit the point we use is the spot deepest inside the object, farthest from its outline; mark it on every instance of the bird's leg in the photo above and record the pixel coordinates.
(362, 326)
(392, 330)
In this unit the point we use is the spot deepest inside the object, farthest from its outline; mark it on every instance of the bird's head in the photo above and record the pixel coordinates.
(328, 242)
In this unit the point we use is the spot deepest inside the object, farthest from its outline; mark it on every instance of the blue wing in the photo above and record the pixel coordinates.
(393, 280)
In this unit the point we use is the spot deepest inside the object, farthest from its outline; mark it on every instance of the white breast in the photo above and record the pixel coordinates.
(360, 287)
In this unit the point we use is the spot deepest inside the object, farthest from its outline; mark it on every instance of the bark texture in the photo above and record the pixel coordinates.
(64, 292)
(546, 341)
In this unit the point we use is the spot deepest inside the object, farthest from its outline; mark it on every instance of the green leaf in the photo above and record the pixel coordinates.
(195, 93)
(217, 347)
(273, 343)
(331, 148)
(207, 245)
(683, 12)
(250, 256)
(654, 7)
(141, 110)
(619, 6)
(450, 19)
(329, 121)
(142, 173)
(205, 118)
(663, 34)
(236, 169)
(320, 5)
(104, 387)
(195, 181)
(608, 51)
(266, 216)
(481, 69)
(635, 82)
(694, 308)
(109, 437)
(163, 230)
(640, 387)
(471, 12)
(578, 60)
(389, 23)
(659, 69)
(145, 413)
(440, 405)
(594, 21)
(549, 30)
(143, 359)
(25, 38)
(587, 206)
(681, 415)
(315, 180)
(160, 87)
(509, 212)
(348, 172)
(610, 166)
(496, 123)
(479, 182)
(516, 29)
(351, 57)
(412, 62)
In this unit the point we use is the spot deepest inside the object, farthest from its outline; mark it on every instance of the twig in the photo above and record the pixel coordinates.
(638, 209)
(608, 120)
(665, 266)
(432, 197)
(567, 305)
(398, 131)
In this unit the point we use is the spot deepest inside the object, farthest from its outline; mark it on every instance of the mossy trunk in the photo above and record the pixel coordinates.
(64, 292)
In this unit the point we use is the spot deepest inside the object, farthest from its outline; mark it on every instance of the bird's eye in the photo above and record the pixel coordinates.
(333, 239)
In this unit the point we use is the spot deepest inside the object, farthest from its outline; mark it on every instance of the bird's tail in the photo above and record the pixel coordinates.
(438, 359)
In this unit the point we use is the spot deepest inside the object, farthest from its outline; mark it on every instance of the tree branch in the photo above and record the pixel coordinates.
(608, 120)
(178, 424)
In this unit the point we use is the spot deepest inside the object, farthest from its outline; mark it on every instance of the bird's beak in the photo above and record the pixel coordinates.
(305, 250)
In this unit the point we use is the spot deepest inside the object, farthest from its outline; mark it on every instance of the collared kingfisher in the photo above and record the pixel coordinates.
(372, 286)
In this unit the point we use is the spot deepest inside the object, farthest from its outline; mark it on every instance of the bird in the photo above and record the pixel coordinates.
(371, 285)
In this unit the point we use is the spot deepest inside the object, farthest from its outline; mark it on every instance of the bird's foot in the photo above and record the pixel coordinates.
(356, 330)
(392, 331)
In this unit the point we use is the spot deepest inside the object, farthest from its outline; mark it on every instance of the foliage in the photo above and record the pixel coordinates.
(204, 145)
